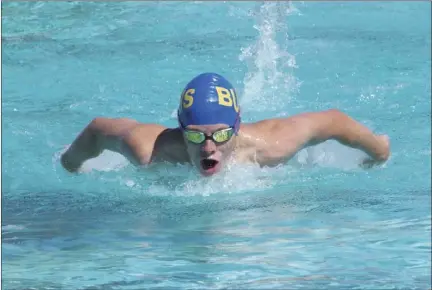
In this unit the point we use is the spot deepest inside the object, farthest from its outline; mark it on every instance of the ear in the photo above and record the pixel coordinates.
(237, 124)
(181, 126)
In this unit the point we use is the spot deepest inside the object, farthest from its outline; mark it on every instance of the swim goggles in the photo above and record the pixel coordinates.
(219, 136)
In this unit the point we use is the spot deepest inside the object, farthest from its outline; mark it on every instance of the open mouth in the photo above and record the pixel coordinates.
(208, 163)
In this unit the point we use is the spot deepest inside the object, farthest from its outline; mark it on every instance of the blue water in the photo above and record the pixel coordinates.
(319, 222)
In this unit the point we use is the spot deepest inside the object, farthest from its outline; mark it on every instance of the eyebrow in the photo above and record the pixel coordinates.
(211, 132)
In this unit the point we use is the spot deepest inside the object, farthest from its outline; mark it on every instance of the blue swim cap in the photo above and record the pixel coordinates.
(209, 99)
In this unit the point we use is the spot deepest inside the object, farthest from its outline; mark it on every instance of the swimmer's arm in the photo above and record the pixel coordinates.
(101, 134)
(313, 128)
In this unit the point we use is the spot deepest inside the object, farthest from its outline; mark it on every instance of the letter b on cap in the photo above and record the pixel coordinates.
(227, 98)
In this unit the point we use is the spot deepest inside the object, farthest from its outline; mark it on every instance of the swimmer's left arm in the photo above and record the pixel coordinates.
(313, 128)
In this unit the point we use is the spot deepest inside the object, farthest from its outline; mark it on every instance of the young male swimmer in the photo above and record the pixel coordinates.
(210, 134)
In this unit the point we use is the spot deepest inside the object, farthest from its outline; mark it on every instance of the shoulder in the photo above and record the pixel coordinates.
(153, 142)
(170, 146)
(258, 144)
(271, 141)
(141, 135)
(146, 130)
(297, 123)
(155, 134)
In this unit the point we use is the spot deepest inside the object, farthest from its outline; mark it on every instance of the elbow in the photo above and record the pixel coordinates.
(337, 115)
(336, 125)
(96, 123)
(96, 128)
(339, 120)
(90, 140)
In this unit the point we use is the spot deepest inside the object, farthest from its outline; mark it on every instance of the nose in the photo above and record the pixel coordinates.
(208, 148)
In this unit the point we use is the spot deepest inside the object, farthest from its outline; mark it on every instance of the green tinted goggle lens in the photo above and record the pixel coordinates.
(218, 136)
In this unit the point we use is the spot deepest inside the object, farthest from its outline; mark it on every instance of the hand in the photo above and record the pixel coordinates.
(385, 145)
(68, 163)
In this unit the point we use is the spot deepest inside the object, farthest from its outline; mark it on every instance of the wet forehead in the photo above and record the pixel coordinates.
(208, 129)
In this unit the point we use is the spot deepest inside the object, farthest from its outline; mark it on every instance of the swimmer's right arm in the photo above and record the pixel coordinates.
(98, 135)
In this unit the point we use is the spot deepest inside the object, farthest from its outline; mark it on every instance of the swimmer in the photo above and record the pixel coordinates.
(210, 134)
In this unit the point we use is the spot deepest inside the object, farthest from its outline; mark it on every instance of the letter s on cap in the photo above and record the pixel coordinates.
(188, 98)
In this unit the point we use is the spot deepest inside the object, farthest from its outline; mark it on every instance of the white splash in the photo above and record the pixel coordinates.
(106, 161)
(269, 79)
(330, 154)
(234, 179)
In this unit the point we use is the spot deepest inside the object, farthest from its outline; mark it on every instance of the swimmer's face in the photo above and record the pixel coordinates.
(209, 156)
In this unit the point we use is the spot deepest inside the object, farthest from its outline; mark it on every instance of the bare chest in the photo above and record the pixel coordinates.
(264, 153)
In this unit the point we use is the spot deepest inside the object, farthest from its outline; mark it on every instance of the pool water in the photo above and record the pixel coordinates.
(318, 222)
